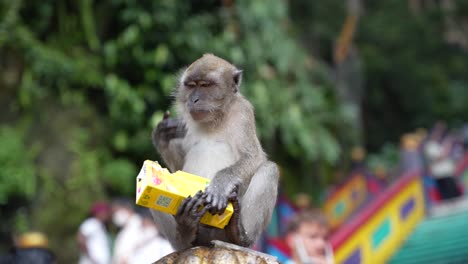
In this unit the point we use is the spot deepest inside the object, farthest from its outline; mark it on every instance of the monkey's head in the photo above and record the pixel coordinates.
(207, 89)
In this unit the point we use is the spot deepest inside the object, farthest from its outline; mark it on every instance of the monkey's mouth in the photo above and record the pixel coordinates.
(199, 115)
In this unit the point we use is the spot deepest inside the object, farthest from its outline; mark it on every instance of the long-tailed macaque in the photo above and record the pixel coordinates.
(216, 139)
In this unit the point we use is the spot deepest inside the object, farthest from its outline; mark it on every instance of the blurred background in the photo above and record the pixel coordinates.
(83, 83)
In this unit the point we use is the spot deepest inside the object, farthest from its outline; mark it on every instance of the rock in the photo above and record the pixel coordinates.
(222, 252)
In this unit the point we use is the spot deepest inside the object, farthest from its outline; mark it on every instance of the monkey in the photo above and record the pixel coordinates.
(215, 137)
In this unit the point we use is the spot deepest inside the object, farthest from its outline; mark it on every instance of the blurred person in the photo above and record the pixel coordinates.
(302, 201)
(458, 150)
(420, 134)
(358, 156)
(30, 247)
(129, 224)
(151, 246)
(306, 236)
(410, 158)
(464, 136)
(93, 238)
(442, 169)
(377, 179)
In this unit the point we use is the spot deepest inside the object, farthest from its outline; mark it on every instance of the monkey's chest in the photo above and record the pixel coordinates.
(206, 157)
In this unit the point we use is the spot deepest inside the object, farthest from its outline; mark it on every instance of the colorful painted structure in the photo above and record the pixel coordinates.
(377, 232)
(346, 200)
(383, 223)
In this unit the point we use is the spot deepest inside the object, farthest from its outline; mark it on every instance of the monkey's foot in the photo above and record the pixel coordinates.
(232, 229)
(188, 216)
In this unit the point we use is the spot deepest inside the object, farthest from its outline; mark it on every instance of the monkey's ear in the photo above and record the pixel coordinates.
(237, 76)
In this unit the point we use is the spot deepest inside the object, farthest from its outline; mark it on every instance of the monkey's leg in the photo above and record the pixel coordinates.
(168, 227)
(232, 229)
(181, 229)
(256, 205)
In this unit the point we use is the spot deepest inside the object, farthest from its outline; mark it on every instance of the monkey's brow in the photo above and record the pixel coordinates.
(199, 79)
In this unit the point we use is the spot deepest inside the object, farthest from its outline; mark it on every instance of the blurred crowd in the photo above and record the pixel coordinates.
(118, 232)
(435, 153)
(137, 239)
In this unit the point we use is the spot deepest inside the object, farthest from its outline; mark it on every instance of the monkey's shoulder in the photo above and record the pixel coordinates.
(243, 105)
(241, 118)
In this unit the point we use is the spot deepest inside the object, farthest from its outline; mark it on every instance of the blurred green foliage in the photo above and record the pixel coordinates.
(414, 74)
(84, 82)
(94, 78)
(17, 176)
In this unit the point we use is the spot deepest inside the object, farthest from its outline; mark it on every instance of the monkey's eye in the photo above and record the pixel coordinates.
(190, 84)
(205, 84)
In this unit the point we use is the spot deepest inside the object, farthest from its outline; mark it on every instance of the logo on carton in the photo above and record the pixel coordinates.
(157, 180)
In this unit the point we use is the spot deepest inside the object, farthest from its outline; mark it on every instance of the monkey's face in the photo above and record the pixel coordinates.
(205, 98)
(207, 87)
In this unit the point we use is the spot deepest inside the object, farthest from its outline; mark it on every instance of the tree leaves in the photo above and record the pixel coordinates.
(17, 174)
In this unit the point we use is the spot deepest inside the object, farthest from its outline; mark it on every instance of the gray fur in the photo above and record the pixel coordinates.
(225, 149)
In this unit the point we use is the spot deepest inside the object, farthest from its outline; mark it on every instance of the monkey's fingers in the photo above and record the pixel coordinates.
(209, 197)
(168, 134)
(202, 212)
(219, 203)
(191, 206)
(222, 205)
(183, 205)
(199, 197)
(181, 130)
(172, 122)
(212, 206)
(196, 206)
(166, 114)
(235, 202)
(232, 196)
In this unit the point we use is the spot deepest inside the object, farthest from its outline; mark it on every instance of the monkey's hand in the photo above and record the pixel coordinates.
(188, 216)
(217, 194)
(168, 129)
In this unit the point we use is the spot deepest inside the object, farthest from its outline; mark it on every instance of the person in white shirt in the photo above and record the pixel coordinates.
(442, 169)
(151, 246)
(129, 223)
(93, 238)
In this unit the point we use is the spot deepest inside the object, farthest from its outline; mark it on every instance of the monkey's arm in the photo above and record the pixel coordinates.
(174, 154)
(237, 175)
(168, 141)
(253, 210)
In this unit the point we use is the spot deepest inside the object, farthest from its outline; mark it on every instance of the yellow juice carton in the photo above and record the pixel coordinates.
(161, 190)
